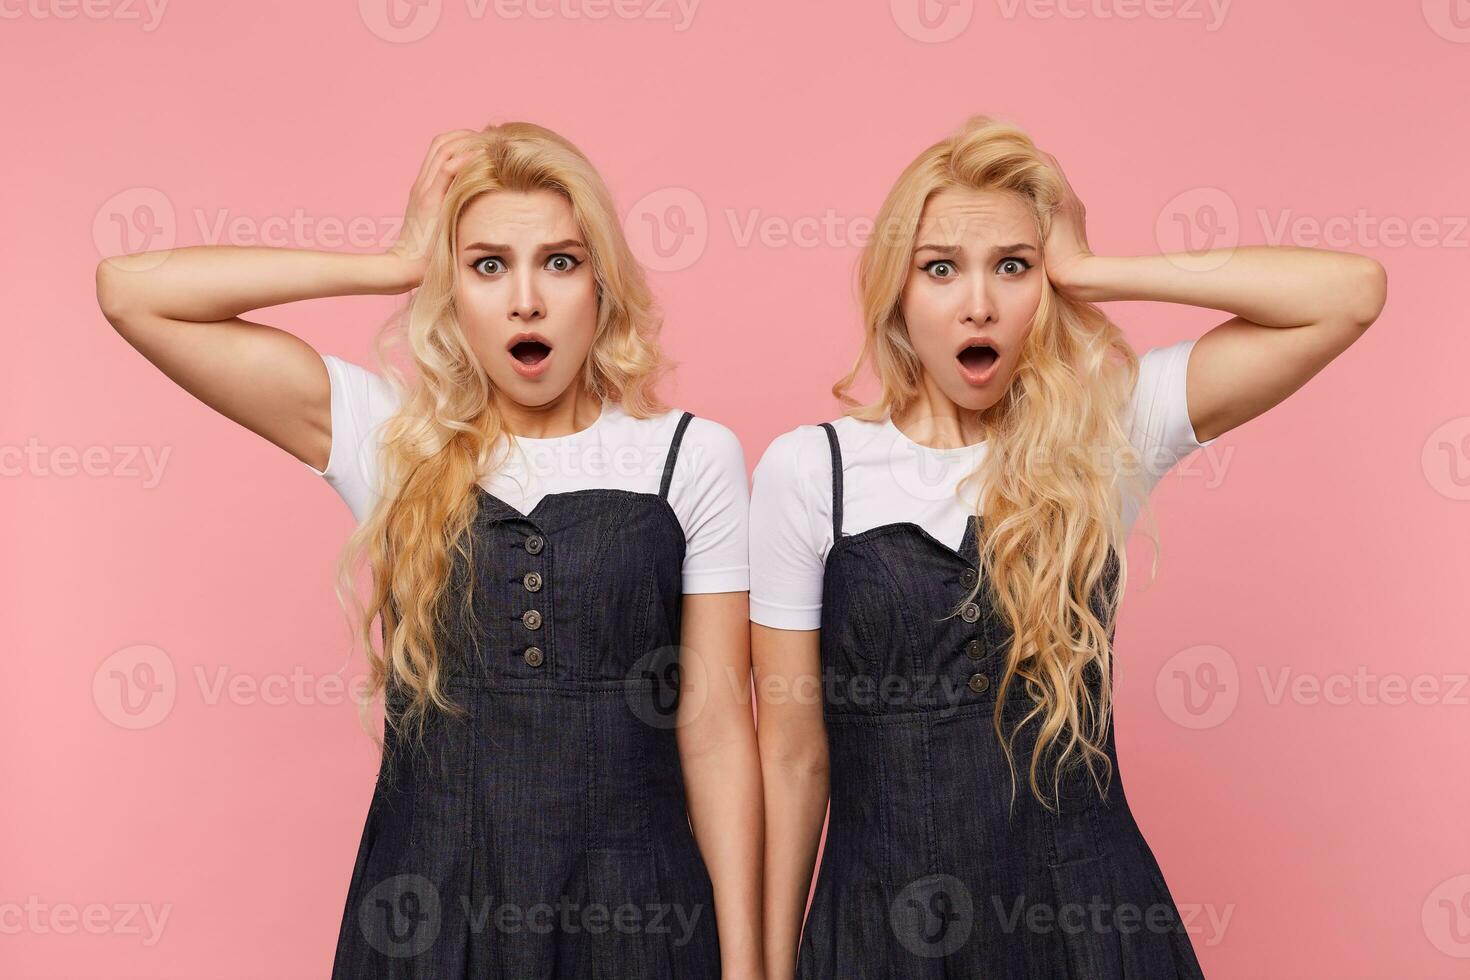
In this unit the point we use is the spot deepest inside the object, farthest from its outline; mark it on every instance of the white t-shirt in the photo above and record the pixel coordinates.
(889, 478)
(708, 491)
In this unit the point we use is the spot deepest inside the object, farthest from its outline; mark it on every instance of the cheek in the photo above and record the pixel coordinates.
(923, 312)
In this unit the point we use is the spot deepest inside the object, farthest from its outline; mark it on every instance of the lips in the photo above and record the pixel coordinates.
(978, 359)
(528, 348)
(529, 353)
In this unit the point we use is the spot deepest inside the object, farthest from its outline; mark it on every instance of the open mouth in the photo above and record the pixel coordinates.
(529, 352)
(978, 358)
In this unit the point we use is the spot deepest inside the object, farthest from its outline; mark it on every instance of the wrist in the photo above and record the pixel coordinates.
(395, 273)
(1083, 278)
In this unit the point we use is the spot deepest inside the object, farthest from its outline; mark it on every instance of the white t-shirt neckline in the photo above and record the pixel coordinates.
(894, 431)
(604, 410)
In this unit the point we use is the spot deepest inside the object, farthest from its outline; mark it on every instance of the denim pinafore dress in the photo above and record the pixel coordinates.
(927, 871)
(544, 834)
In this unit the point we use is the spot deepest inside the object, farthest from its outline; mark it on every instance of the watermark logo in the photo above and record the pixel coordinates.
(401, 916)
(1446, 917)
(138, 219)
(932, 21)
(1450, 19)
(1446, 459)
(933, 916)
(400, 21)
(1198, 687)
(135, 687)
(668, 229)
(1195, 223)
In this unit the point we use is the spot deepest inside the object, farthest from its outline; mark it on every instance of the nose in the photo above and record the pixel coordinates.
(980, 308)
(525, 301)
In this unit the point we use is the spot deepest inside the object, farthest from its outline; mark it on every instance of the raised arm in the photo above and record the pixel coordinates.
(1295, 310)
(180, 308)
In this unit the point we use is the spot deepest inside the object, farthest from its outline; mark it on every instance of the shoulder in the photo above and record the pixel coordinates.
(710, 441)
(798, 454)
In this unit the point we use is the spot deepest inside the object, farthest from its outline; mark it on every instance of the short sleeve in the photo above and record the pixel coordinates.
(361, 401)
(710, 495)
(1158, 413)
(790, 533)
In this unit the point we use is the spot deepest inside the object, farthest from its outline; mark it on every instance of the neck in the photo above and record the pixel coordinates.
(572, 411)
(932, 419)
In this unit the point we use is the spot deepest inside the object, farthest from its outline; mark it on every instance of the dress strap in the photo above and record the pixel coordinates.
(836, 481)
(663, 489)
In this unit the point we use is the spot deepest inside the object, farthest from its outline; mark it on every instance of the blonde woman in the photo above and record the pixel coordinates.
(543, 538)
(935, 575)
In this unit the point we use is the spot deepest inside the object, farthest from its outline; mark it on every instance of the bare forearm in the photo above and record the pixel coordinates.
(727, 813)
(796, 807)
(1275, 286)
(215, 282)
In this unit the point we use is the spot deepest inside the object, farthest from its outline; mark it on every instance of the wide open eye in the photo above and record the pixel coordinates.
(499, 265)
(561, 262)
(940, 269)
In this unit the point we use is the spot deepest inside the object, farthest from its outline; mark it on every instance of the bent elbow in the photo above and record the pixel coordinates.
(1369, 292)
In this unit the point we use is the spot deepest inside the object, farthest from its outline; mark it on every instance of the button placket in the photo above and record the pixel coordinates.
(978, 682)
(532, 581)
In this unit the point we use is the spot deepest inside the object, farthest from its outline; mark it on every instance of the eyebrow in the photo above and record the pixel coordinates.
(952, 249)
(549, 247)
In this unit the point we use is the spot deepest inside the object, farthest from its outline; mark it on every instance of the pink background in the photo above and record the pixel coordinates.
(1327, 539)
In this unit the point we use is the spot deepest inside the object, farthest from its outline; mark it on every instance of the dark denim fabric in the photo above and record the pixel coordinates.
(545, 834)
(927, 871)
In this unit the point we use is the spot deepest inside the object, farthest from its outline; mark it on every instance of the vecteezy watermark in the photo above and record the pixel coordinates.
(1199, 227)
(1447, 18)
(939, 693)
(145, 219)
(138, 219)
(937, 21)
(1200, 687)
(36, 917)
(930, 475)
(934, 916)
(404, 915)
(1208, 13)
(1364, 686)
(137, 687)
(121, 462)
(1100, 916)
(406, 21)
(1361, 229)
(670, 228)
(1446, 459)
(1446, 916)
(148, 14)
(667, 229)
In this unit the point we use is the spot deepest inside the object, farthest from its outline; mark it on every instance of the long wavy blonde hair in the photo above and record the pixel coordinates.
(1057, 463)
(448, 433)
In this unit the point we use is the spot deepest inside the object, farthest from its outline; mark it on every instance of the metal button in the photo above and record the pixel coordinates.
(979, 683)
(531, 619)
(970, 612)
(534, 544)
(968, 577)
(973, 650)
(534, 656)
(532, 581)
